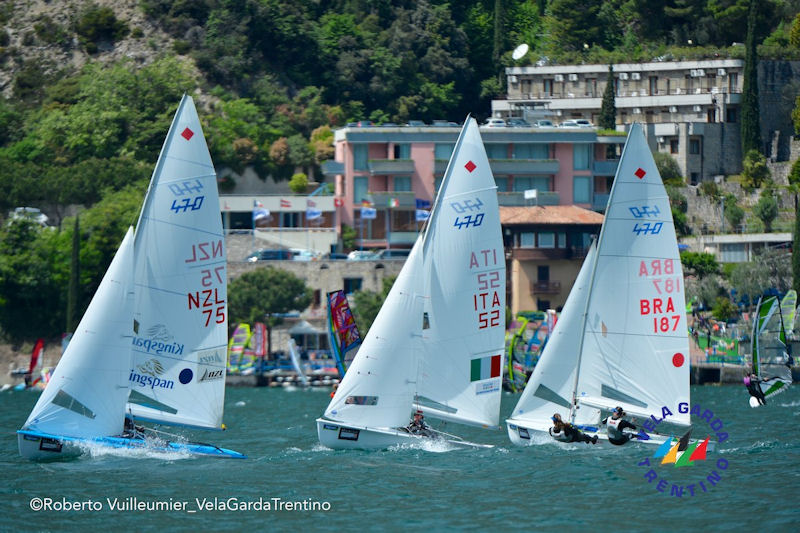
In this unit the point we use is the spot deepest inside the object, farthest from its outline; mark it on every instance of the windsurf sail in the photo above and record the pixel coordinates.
(37, 351)
(236, 344)
(788, 308)
(770, 359)
(342, 330)
(295, 356)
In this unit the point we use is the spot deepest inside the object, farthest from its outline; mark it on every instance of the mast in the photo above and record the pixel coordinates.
(573, 406)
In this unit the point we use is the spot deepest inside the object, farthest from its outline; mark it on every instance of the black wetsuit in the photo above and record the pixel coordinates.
(755, 390)
(573, 433)
(419, 427)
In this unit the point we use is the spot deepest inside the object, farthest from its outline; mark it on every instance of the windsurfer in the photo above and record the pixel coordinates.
(752, 383)
(568, 433)
(418, 426)
(614, 426)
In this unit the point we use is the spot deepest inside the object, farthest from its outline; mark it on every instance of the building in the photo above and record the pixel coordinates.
(386, 175)
(737, 247)
(545, 248)
(691, 109)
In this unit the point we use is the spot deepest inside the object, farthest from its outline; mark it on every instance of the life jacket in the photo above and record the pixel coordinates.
(612, 428)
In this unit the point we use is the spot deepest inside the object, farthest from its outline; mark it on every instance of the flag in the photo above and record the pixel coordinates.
(422, 215)
(338, 202)
(365, 203)
(368, 213)
(260, 214)
(310, 203)
(422, 204)
(312, 214)
(484, 368)
(285, 203)
(394, 202)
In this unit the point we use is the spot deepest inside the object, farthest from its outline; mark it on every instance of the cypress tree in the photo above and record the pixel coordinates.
(74, 278)
(796, 248)
(608, 109)
(751, 128)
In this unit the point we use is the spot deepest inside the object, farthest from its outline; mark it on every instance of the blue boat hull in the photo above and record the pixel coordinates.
(43, 446)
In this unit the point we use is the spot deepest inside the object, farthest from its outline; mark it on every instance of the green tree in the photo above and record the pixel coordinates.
(769, 269)
(794, 32)
(265, 294)
(734, 214)
(669, 169)
(794, 188)
(766, 209)
(724, 309)
(608, 108)
(701, 264)
(299, 183)
(751, 127)
(366, 305)
(755, 170)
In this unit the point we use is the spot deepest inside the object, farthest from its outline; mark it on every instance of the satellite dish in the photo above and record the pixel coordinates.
(519, 51)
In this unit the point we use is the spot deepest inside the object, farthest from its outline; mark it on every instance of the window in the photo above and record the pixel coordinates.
(542, 305)
(731, 115)
(694, 146)
(531, 151)
(582, 189)
(733, 83)
(291, 220)
(352, 285)
(562, 240)
(402, 183)
(502, 183)
(360, 188)
(542, 273)
(402, 151)
(581, 154)
(497, 151)
(360, 154)
(673, 146)
(694, 178)
(317, 299)
(547, 87)
(733, 253)
(653, 84)
(541, 183)
(547, 239)
(443, 151)
(526, 240)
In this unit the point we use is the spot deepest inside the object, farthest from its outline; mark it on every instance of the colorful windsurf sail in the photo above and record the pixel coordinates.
(770, 360)
(236, 344)
(788, 308)
(342, 330)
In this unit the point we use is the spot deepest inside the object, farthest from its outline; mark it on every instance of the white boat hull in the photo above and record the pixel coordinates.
(524, 433)
(339, 436)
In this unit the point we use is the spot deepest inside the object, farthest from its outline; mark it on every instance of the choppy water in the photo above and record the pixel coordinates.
(548, 487)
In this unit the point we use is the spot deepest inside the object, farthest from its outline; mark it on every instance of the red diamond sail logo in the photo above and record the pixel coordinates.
(187, 134)
(640, 173)
(470, 166)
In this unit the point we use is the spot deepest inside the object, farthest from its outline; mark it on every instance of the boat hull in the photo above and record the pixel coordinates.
(524, 433)
(340, 436)
(43, 446)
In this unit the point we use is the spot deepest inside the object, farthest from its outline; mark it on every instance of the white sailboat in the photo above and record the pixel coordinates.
(621, 339)
(437, 342)
(152, 344)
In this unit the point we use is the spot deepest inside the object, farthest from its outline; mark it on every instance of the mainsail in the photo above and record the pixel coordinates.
(343, 333)
(180, 341)
(438, 340)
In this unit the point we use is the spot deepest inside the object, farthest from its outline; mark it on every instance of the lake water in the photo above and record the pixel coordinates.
(547, 487)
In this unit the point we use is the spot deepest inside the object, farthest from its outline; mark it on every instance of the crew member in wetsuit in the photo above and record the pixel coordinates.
(614, 426)
(753, 387)
(131, 430)
(562, 429)
(418, 425)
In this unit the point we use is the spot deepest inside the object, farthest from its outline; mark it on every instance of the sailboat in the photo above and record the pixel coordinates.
(152, 343)
(769, 359)
(437, 343)
(621, 339)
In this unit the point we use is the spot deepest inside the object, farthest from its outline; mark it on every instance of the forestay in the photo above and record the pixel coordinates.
(179, 349)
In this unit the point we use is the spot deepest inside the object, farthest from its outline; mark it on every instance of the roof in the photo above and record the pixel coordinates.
(548, 214)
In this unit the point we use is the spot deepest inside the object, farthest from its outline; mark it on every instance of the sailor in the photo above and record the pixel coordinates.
(566, 432)
(418, 425)
(333, 391)
(614, 426)
(752, 383)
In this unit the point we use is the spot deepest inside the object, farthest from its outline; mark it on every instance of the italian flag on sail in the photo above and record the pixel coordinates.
(485, 368)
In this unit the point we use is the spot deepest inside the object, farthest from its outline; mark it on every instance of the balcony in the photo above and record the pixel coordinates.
(524, 166)
(600, 201)
(517, 199)
(395, 167)
(545, 287)
(605, 168)
(541, 254)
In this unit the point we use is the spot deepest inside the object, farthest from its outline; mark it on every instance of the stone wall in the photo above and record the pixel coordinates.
(778, 87)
